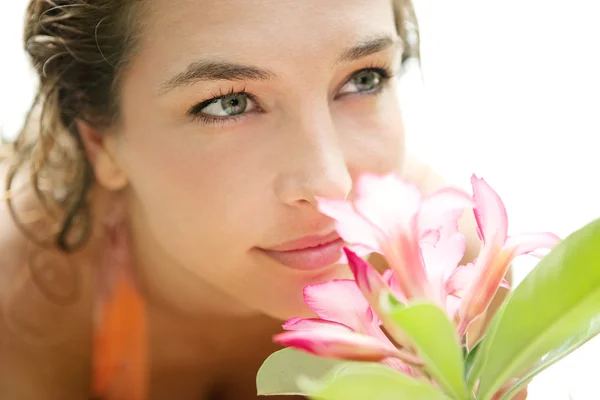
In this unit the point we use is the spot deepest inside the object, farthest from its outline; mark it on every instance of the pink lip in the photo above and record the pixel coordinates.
(308, 253)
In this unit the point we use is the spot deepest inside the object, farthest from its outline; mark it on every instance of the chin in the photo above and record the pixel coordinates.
(285, 310)
(289, 301)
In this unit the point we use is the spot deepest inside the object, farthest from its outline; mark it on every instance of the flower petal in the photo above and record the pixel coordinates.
(350, 225)
(527, 243)
(357, 249)
(489, 211)
(430, 237)
(398, 365)
(367, 278)
(391, 205)
(340, 301)
(390, 279)
(443, 208)
(404, 257)
(461, 279)
(335, 343)
(388, 201)
(373, 286)
(452, 306)
(490, 269)
(298, 324)
(442, 259)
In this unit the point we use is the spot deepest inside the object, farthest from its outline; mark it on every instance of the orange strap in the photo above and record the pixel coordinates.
(120, 355)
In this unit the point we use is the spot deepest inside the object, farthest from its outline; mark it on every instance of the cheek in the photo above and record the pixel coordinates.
(193, 194)
(373, 135)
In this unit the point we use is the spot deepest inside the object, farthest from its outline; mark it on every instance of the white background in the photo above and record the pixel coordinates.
(509, 90)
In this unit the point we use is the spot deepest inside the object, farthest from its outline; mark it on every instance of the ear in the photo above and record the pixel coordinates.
(100, 147)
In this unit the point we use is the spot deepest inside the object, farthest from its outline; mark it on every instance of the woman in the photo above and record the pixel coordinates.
(165, 173)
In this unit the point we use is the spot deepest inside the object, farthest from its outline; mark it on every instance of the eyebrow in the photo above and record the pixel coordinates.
(211, 70)
(369, 46)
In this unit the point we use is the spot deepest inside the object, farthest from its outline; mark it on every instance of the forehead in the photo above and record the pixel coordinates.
(257, 31)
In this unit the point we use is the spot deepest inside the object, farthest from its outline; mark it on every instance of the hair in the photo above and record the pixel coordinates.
(79, 49)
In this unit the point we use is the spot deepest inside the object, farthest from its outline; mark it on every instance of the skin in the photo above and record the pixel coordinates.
(200, 199)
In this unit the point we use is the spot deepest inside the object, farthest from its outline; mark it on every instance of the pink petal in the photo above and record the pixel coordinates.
(527, 243)
(398, 365)
(373, 286)
(387, 276)
(461, 279)
(387, 201)
(452, 306)
(442, 208)
(297, 324)
(489, 211)
(443, 258)
(334, 343)
(405, 258)
(491, 266)
(504, 284)
(490, 269)
(367, 278)
(350, 225)
(340, 301)
(392, 205)
(390, 279)
(359, 250)
(430, 237)
(434, 265)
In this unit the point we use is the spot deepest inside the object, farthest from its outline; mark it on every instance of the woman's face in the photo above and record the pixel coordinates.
(236, 115)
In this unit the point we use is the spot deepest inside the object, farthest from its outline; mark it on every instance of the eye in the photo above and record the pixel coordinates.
(226, 106)
(369, 80)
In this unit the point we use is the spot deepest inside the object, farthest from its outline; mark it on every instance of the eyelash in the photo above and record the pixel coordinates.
(385, 71)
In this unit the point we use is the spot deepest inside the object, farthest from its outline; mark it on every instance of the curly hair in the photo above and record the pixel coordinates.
(79, 49)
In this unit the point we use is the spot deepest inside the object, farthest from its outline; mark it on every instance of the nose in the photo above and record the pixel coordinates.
(314, 163)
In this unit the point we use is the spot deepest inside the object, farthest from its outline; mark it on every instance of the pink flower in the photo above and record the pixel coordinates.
(346, 328)
(441, 263)
(419, 238)
(373, 286)
(391, 217)
(480, 280)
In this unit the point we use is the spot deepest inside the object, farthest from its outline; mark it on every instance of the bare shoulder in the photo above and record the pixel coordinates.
(45, 324)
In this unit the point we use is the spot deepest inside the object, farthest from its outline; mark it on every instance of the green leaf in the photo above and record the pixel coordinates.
(389, 302)
(278, 373)
(360, 381)
(470, 359)
(551, 358)
(437, 343)
(475, 366)
(558, 300)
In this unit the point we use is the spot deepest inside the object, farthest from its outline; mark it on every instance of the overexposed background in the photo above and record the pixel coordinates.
(509, 90)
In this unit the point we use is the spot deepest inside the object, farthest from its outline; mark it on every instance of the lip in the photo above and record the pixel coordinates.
(308, 253)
